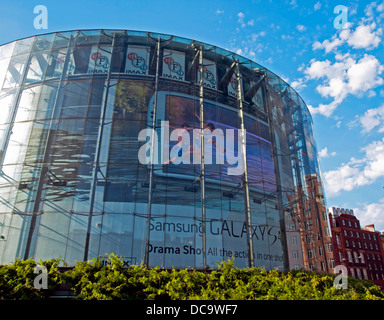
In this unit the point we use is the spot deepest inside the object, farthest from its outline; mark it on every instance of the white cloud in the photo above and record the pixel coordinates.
(369, 9)
(357, 172)
(372, 213)
(218, 11)
(317, 5)
(293, 3)
(373, 118)
(343, 77)
(350, 74)
(328, 45)
(286, 37)
(241, 20)
(250, 46)
(325, 109)
(301, 28)
(241, 17)
(323, 153)
(365, 36)
(298, 84)
(363, 75)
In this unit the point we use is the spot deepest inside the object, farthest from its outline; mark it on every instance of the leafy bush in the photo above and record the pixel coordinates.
(17, 280)
(93, 280)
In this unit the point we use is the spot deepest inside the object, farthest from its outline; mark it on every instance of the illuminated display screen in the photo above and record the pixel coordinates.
(183, 112)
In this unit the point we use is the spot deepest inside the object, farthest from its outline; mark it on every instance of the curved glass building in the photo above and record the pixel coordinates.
(163, 150)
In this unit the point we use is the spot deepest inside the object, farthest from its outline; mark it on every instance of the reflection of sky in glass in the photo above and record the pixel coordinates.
(181, 111)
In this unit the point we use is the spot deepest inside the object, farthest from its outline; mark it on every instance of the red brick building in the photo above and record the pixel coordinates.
(359, 249)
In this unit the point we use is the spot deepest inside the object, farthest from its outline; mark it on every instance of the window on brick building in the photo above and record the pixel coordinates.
(356, 257)
(325, 218)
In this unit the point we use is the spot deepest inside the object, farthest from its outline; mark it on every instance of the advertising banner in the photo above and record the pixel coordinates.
(177, 241)
(60, 65)
(99, 60)
(232, 86)
(209, 74)
(173, 65)
(137, 60)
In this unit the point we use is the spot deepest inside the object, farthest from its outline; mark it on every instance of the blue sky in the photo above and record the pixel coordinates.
(338, 72)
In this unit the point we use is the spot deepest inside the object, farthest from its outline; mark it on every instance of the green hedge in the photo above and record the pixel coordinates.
(93, 280)
(17, 280)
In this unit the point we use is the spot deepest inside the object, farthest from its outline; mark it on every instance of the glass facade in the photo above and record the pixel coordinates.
(72, 185)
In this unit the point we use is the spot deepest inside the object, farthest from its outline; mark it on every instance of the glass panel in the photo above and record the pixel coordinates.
(6, 50)
(43, 42)
(14, 244)
(3, 70)
(23, 46)
(7, 99)
(15, 71)
(62, 39)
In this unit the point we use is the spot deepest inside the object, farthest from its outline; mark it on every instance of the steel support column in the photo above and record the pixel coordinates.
(96, 166)
(153, 149)
(44, 168)
(202, 160)
(280, 206)
(247, 205)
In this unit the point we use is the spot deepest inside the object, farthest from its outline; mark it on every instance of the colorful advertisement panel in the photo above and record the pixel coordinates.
(209, 74)
(137, 61)
(99, 60)
(173, 65)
